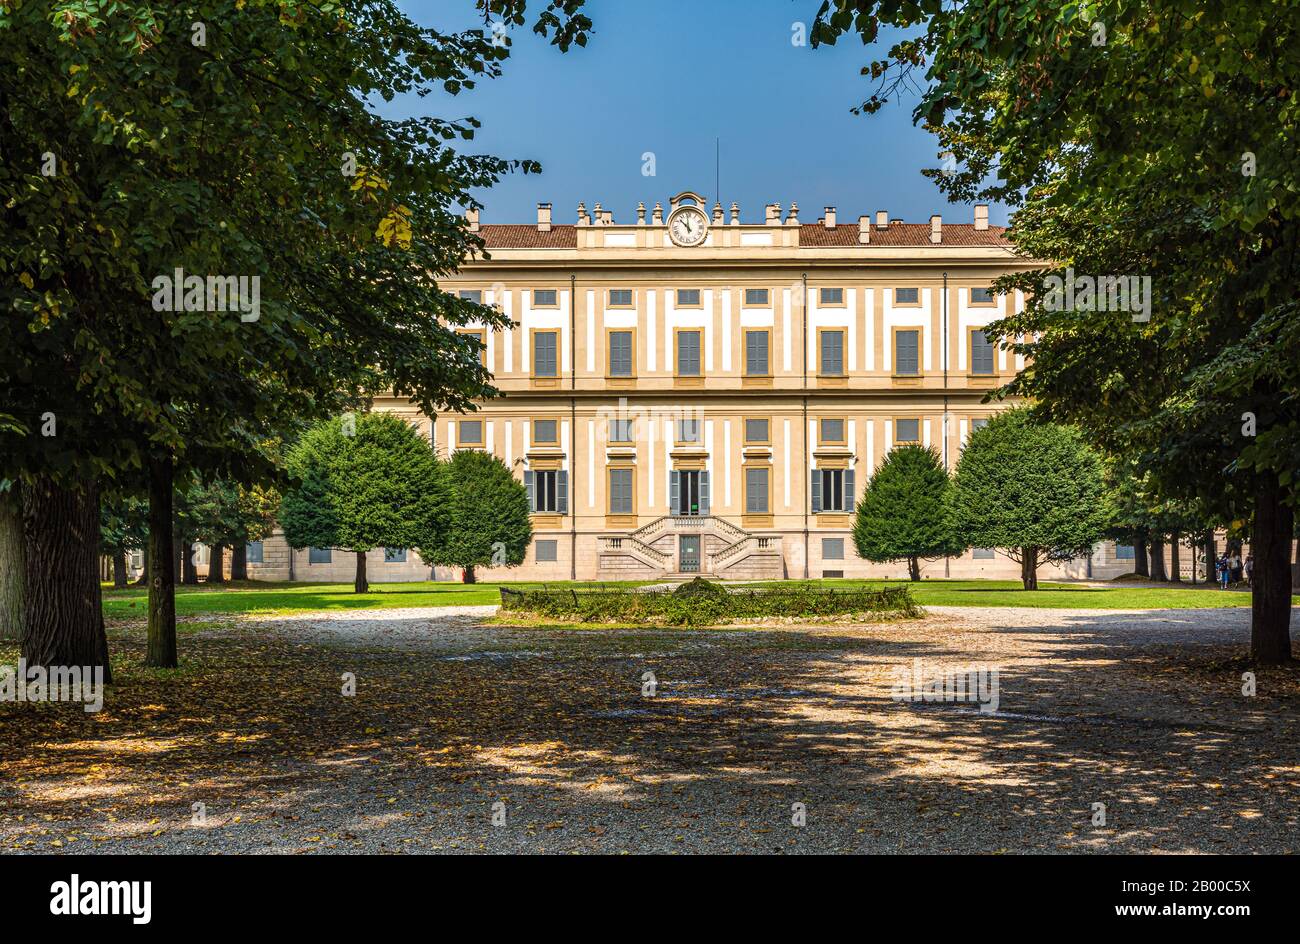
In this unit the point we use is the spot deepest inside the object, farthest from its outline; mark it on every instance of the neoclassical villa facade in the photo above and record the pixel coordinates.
(689, 394)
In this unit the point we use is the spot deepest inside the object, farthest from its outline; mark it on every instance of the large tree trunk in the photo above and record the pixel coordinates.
(1029, 567)
(1175, 561)
(119, 569)
(361, 584)
(913, 569)
(1141, 567)
(161, 650)
(64, 618)
(239, 561)
(217, 564)
(1158, 558)
(1270, 595)
(1211, 555)
(469, 576)
(13, 572)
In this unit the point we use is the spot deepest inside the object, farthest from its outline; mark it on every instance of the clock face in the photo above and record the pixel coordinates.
(688, 226)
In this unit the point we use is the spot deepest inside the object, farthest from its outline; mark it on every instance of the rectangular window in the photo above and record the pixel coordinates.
(481, 335)
(907, 296)
(688, 431)
(545, 360)
(546, 432)
(1123, 552)
(688, 297)
(979, 423)
(319, 555)
(620, 354)
(831, 296)
(832, 432)
(907, 352)
(981, 296)
(832, 353)
(756, 296)
(620, 298)
(394, 555)
(756, 480)
(620, 431)
(758, 431)
(832, 549)
(544, 551)
(982, 553)
(981, 353)
(756, 354)
(688, 353)
(470, 433)
(544, 298)
(548, 491)
(907, 431)
(831, 482)
(620, 491)
(474, 295)
(253, 552)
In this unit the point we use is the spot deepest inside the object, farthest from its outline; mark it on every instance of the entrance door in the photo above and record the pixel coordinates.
(689, 553)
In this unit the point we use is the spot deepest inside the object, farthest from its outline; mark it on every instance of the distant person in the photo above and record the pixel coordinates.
(1236, 567)
(1221, 570)
(1250, 569)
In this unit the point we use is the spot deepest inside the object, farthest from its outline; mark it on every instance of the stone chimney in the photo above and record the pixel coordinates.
(864, 229)
(793, 218)
(657, 217)
(829, 220)
(981, 216)
(936, 228)
(772, 213)
(640, 214)
(543, 217)
(471, 217)
(717, 212)
(583, 219)
(882, 219)
(597, 215)
(735, 213)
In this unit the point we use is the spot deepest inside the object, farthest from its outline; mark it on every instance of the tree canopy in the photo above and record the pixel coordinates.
(905, 512)
(481, 516)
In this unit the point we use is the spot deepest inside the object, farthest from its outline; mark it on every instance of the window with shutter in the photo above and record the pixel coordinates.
(981, 353)
(907, 431)
(907, 352)
(832, 350)
(688, 353)
(757, 431)
(620, 354)
(545, 362)
(620, 491)
(756, 480)
(756, 353)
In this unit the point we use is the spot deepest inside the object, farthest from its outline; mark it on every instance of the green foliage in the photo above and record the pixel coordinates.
(481, 517)
(1034, 490)
(123, 524)
(362, 482)
(905, 513)
(708, 604)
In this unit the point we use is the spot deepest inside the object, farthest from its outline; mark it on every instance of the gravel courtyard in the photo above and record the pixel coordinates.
(464, 736)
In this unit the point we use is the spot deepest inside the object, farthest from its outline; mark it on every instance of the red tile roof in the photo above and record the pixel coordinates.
(565, 236)
(901, 234)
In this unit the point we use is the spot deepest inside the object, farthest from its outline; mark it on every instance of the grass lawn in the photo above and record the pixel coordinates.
(279, 598)
(1056, 595)
(275, 597)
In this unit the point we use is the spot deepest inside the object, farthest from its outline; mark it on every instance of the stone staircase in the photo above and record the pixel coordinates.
(726, 550)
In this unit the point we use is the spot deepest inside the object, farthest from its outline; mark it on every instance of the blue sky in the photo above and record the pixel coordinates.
(670, 76)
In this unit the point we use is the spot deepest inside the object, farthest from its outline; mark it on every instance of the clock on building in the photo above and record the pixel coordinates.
(688, 225)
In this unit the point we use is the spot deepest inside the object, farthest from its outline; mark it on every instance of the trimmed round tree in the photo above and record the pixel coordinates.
(905, 512)
(1033, 490)
(361, 482)
(481, 518)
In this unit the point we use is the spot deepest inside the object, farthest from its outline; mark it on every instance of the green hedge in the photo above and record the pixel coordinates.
(701, 603)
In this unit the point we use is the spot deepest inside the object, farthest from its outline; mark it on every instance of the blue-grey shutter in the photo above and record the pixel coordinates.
(531, 489)
(848, 490)
(562, 492)
(816, 491)
(674, 492)
(704, 493)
